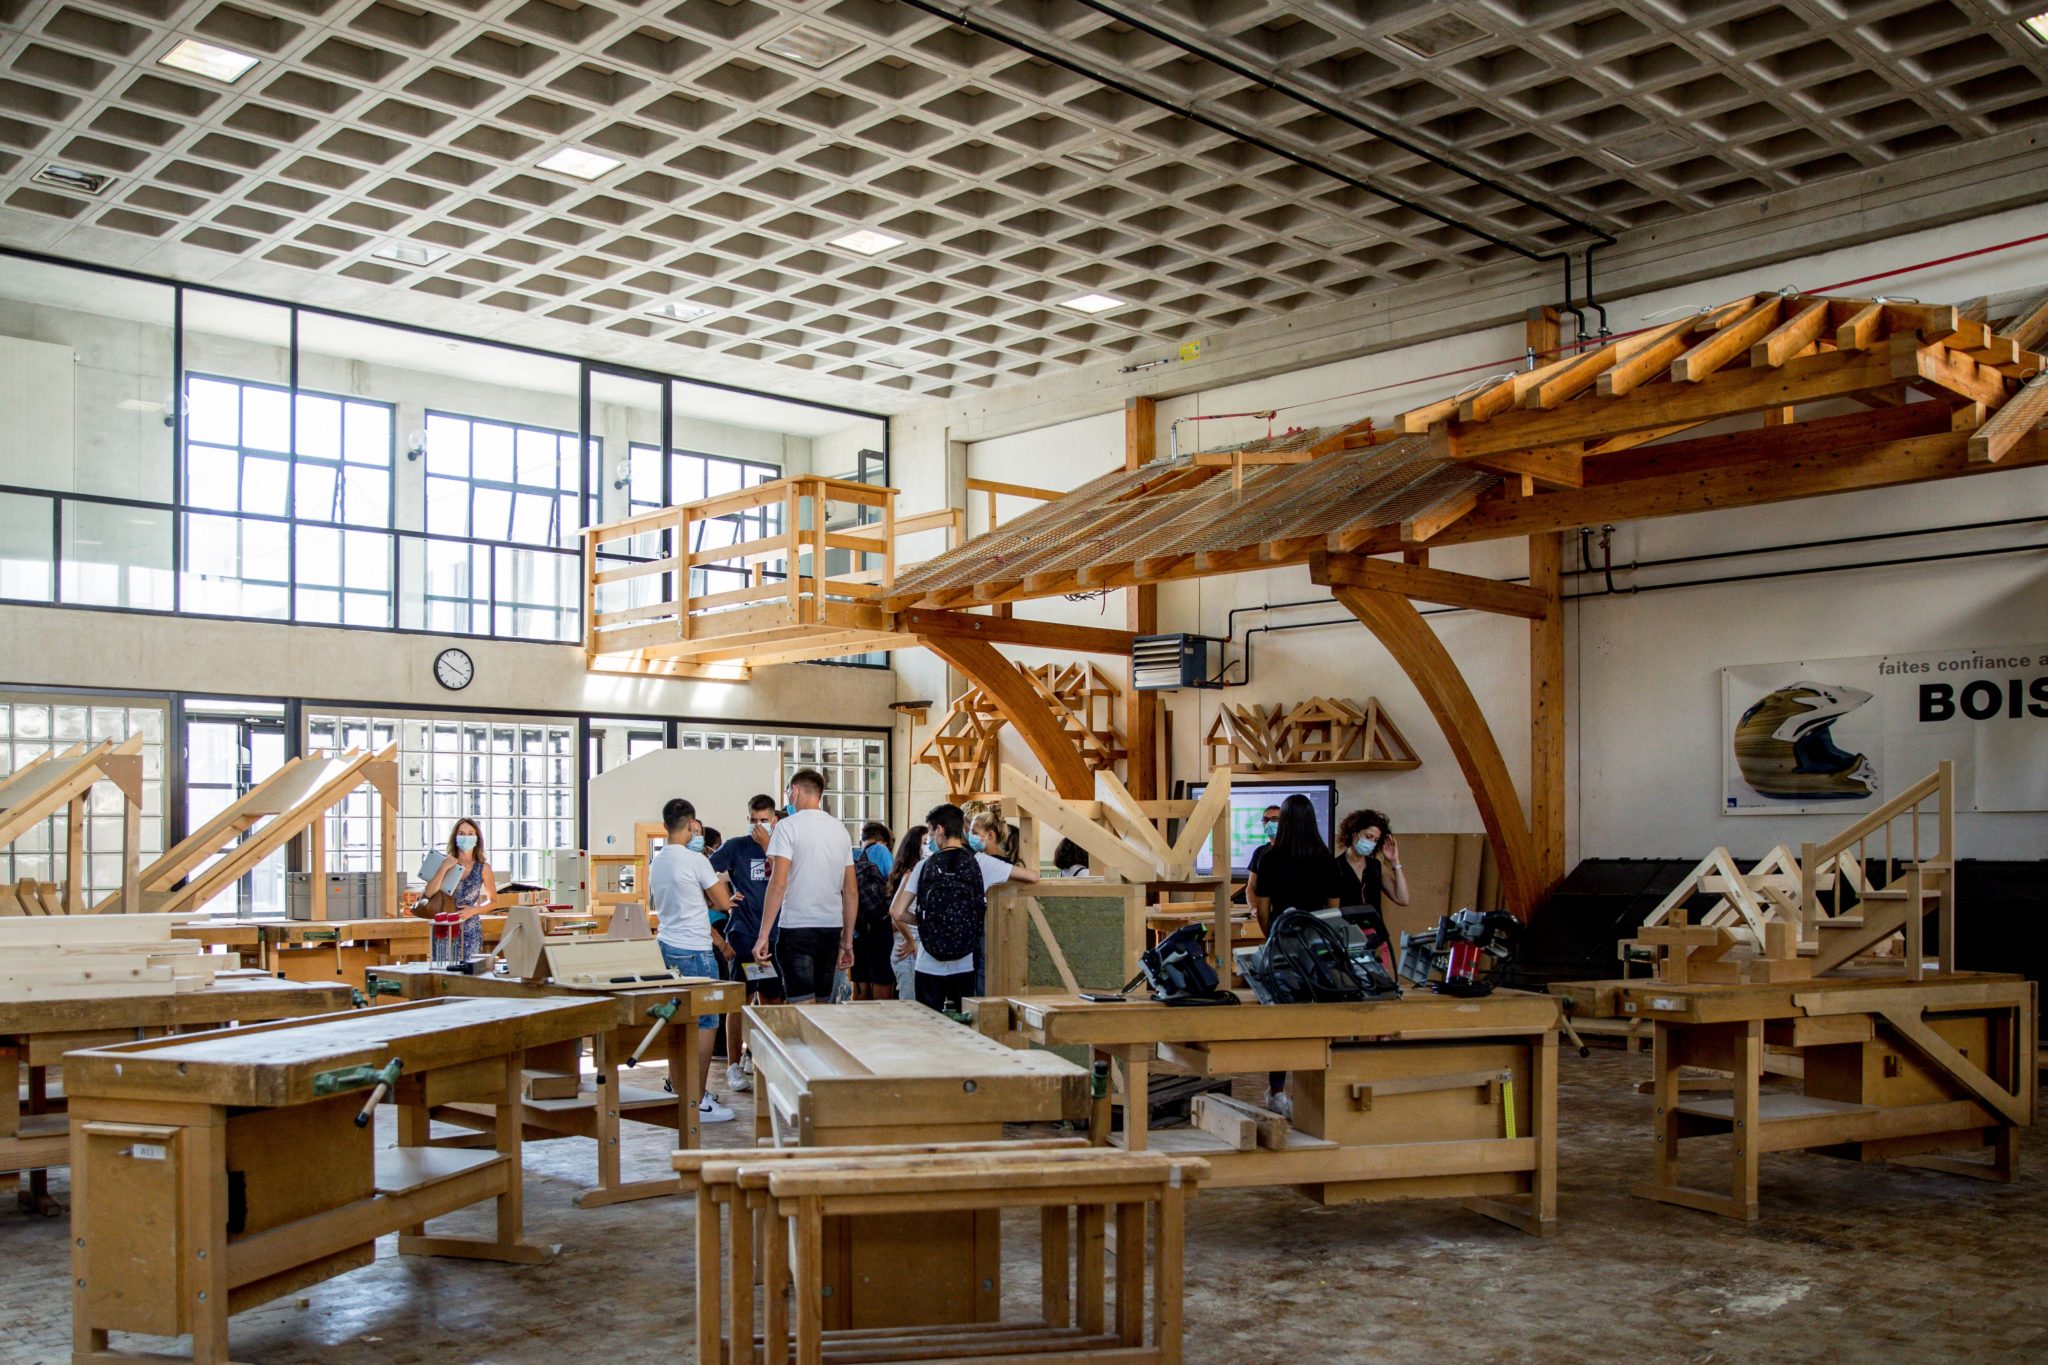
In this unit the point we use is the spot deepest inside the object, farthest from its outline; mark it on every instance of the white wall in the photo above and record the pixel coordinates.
(717, 782)
(1642, 672)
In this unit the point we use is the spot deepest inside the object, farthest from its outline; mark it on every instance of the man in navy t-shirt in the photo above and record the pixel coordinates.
(745, 865)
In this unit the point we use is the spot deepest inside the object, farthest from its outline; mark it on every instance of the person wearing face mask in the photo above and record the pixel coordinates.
(955, 857)
(1269, 827)
(744, 864)
(813, 896)
(684, 891)
(1296, 873)
(909, 854)
(1369, 861)
(468, 881)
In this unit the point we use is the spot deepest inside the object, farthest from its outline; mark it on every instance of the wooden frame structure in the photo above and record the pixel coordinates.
(1079, 1193)
(63, 780)
(292, 801)
(165, 1244)
(1320, 735)
(1384, 1091)
(1602, 433)
(965, 746)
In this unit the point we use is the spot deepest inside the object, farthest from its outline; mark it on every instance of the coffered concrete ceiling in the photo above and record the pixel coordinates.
(385, 157)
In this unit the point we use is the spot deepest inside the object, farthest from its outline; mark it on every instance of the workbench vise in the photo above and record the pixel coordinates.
(660, 1014)
(380, 1079)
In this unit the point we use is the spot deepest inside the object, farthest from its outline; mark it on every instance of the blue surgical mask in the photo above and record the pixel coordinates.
(974, 841)
(1272, 830)
(789, 808)
(931, 846)
(465, 842)
(696, 844)
(1365, 846)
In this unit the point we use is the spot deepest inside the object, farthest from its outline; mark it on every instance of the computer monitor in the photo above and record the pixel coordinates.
(1248, 802)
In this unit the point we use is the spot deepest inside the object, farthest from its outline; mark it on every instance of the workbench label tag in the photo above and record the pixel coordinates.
(150, 1151)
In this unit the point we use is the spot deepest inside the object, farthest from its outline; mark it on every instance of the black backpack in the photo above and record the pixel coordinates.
(952, 904)
(1305, 960)
(874, 894)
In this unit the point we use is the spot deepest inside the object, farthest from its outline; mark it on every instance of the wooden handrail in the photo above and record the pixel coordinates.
(1892, 810)
(1013, 490)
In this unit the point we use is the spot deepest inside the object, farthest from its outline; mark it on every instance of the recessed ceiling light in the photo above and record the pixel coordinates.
(679, 312)
(1439, 35)
(1108, 154)
(204, 59)
(409, 253)
(1092, 303)
(2038, 25)
(812, 47)
(73, 179)
(868, 242)
(580, 162)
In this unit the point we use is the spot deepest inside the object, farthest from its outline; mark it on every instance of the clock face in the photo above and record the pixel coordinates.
(453, 669)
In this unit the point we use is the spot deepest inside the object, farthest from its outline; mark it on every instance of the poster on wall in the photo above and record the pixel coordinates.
(1842, 735)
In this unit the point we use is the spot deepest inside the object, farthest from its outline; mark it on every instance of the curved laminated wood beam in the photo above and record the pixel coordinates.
(1019, 703)
(1429, 666)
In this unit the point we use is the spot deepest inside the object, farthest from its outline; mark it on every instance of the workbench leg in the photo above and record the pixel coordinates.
(1137, 1096)
(1543, 1127)
(605, 1053)
(415, 1129)
(1169, 1233)
(1130, 1274)
(1055, 1262)
(688, 1051)
(33, 1191)
(1089, 1267)
(1664, 1102)
(775, 1282)
(810, 1272)
(1749, 1067)
(708, 1288)
(739, 1270)
(86, 1340)
(203, 1168)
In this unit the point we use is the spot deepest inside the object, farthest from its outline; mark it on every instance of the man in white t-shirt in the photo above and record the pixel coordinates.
(812, 895)
(941, 984)
(685, 890)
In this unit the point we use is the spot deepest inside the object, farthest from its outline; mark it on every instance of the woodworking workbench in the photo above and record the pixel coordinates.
(195, 1194)
(315, 950)
(35, 1034)
(556, 1103)
(1420, 1097)
(892, 1073)
(1937, 1073)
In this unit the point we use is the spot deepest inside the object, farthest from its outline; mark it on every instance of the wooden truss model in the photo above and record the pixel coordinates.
(1775, 910)
(965, 749)
(292, 801)
(1320, 735)
(63, 781)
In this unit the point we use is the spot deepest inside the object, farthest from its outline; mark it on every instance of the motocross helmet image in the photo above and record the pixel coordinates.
(1785, 748)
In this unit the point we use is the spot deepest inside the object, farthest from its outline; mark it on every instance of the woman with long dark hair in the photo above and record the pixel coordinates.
(1296, 873)
(909, 852)
(467, 880)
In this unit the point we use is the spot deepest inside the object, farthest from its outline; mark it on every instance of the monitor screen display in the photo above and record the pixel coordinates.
(1248, 802)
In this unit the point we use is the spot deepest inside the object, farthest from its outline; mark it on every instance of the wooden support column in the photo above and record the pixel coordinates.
(1546, 667)
(1019, 704)
(1429, 666)
(1141, 607)
(1546, 711)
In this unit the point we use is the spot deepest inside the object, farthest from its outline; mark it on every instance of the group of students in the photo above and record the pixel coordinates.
(795, 904)
(1295, 869)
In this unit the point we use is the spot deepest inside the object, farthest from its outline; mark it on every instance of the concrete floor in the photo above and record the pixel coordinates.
(1849, 1263)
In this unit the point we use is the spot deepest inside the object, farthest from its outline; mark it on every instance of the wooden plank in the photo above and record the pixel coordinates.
(1228, 1125)
(1950, 371)
(2026, 413)
(1547, 710)
(1060, 635)
(1795, 336)
(1428, 585)
(1725, 345)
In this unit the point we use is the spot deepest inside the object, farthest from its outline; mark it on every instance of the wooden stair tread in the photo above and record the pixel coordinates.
(1195, 1142)
(401, 1170)
(1772, 1108)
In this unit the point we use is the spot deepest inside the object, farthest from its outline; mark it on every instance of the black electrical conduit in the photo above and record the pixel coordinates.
(1351, 120)
(961, 19)
(1230, 619)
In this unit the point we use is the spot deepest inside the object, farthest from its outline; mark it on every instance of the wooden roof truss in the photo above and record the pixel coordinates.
(965, 749)
(62, 781)
(1320, 735)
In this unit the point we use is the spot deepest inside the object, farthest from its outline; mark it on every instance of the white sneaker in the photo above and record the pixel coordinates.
(709, 1110)
(736, 1079)
(1277, 1101)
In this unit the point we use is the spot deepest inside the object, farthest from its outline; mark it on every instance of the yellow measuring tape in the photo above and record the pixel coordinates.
(1507, 1104)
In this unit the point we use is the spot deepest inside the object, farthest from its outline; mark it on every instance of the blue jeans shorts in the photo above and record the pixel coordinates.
(695, 962)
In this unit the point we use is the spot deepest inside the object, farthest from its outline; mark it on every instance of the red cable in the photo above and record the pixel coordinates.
(1928, 265)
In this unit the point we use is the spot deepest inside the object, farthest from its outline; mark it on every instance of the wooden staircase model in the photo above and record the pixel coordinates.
(965, 746)
(1775, 908)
